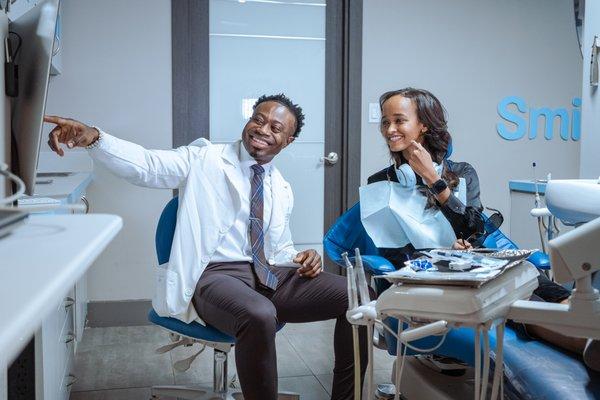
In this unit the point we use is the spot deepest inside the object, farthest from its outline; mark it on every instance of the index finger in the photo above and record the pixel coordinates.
(417, 144)
(53, 119)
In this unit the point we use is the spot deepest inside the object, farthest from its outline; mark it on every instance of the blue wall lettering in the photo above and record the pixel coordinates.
(508, 115)
(506, 110)
(576, 126)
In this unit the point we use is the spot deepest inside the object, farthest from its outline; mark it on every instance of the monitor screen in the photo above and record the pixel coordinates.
(36, 30)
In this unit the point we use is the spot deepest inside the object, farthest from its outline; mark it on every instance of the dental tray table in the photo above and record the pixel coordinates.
(460, 304)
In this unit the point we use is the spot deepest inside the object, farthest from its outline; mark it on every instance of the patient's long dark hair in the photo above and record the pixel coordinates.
(436, 140)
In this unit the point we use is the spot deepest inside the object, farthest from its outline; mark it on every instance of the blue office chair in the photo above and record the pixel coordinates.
(526, 361)
(194, 332)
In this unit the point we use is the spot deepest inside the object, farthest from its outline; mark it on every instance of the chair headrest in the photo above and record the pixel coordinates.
(449, 150)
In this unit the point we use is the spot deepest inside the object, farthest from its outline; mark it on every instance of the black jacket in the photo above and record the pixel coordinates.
(464, 218)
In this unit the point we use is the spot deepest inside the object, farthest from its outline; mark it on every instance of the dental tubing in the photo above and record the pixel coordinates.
(352, 304)
(365, 299)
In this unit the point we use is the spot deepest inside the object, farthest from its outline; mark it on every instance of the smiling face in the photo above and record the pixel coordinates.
(400, 124)
(269, 130)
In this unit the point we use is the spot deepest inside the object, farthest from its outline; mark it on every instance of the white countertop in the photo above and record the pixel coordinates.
(62, 186)
(39, 263)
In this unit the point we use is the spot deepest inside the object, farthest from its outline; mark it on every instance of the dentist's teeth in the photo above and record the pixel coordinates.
(259, 141)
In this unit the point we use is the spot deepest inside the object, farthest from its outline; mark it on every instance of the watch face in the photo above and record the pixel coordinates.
(439, 186)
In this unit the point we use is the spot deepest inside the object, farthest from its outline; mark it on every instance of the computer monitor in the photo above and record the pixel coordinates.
(36, 29)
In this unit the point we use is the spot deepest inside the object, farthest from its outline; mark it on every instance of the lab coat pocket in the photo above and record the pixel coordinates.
(163, 277)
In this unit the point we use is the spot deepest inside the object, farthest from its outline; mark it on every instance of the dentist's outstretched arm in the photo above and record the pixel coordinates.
(166, 169)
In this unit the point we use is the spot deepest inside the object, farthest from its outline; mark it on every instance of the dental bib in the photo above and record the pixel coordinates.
(394, 213)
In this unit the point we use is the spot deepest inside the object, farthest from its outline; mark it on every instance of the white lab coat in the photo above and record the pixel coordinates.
(206, 175)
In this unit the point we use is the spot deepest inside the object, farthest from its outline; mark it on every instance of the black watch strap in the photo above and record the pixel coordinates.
(438, 187)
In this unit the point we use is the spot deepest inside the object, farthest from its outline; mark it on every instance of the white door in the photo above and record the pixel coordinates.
(266, 47)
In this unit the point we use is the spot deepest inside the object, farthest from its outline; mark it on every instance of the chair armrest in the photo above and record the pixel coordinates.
(540, 260)
(377, 265)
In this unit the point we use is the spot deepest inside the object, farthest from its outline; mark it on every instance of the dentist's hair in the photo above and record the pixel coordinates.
(287, 102)
(436, 139)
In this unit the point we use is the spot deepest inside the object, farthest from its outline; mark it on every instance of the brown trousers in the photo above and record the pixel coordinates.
(227, 297)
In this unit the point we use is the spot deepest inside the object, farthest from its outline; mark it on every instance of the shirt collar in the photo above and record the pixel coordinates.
(246, 160)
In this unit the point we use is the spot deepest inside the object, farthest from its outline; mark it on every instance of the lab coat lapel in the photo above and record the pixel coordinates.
(231, 168)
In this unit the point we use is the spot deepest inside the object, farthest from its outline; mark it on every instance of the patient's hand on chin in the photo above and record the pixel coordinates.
(461, 244)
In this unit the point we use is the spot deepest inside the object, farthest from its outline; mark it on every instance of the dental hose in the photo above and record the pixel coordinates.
(486, 364)
(498, 376)
(356, 362)
(363, 291)
(370, 364)
(477, 362)
(352, 303)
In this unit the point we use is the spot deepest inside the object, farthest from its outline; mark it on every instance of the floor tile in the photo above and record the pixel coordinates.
(123, 335)
(379, 376)
(121, 366)
(117, 394)
(316, 350)
(309, 327)
(308, 387)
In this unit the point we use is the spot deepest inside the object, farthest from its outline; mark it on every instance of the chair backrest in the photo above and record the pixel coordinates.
(346, 234)
(165, 230)
(498, 240)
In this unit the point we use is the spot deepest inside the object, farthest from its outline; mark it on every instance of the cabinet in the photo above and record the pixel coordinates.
(55, 351)
(56, 341)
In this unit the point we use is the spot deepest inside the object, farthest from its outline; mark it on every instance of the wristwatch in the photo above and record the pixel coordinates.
(96, 142)
(438, 187)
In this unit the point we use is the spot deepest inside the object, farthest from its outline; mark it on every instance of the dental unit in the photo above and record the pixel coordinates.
(425, 309)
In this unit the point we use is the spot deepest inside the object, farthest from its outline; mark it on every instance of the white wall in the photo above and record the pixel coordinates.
(117, 75)
(590, 113)
(471, 54)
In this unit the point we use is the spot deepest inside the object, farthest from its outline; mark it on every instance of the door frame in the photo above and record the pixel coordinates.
(343, 76)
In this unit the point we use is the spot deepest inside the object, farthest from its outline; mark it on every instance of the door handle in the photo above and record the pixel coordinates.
(331, 158)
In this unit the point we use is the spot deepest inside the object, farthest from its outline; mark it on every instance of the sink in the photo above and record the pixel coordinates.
(574, 201)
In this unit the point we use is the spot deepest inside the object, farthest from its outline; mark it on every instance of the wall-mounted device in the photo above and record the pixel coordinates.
(594, 67)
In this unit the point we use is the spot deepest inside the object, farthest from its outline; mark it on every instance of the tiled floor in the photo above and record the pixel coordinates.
(120, 363)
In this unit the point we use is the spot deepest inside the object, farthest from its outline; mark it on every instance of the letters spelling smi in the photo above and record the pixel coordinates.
(549, 114)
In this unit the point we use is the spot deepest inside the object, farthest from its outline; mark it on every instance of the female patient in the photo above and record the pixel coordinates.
(413, 124)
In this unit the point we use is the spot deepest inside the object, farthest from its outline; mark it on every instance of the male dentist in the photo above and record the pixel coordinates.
(232, 240)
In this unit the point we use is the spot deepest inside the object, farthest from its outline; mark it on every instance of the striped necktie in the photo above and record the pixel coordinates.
(257, 237)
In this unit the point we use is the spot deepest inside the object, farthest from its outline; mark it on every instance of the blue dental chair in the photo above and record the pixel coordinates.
(194, 332)
(533, 369)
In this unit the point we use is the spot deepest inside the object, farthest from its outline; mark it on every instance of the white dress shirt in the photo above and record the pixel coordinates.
(235, 245)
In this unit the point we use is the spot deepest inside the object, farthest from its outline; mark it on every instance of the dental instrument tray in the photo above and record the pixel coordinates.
(457, 267)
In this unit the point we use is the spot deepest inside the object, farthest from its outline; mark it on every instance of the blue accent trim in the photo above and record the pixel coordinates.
(526, 186)
(194, 329)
